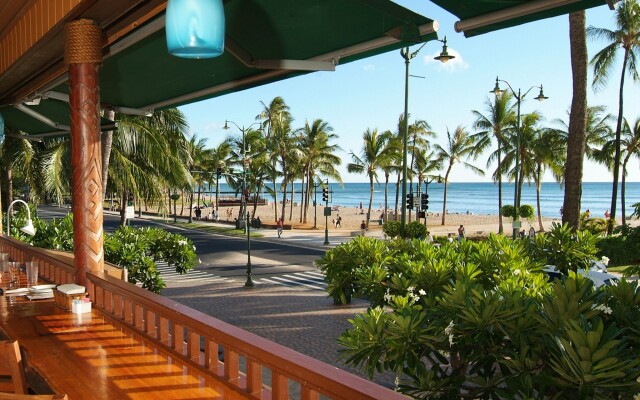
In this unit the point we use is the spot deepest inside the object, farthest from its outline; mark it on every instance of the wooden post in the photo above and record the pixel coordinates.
(83, 55)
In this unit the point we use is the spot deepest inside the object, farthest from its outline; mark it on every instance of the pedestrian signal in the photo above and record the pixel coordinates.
(325, 194)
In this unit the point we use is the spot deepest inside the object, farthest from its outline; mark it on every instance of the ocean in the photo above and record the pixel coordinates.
(478, 198)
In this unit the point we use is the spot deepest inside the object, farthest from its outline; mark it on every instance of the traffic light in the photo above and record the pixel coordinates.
(409, 201)
(325, 194)
(219, 172)
(424, 201)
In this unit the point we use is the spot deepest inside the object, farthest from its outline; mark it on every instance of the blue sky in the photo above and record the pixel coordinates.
(370, 93)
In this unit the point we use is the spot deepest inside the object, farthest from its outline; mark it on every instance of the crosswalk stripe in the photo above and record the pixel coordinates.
(293, 282)
(170, 275)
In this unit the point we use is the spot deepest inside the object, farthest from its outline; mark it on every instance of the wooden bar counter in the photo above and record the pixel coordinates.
(88, 356)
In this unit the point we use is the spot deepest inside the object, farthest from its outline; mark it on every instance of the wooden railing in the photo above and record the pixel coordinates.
(247, 363)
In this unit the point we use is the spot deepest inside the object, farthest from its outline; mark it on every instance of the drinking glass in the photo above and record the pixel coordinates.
(14, 270)
(31, 268)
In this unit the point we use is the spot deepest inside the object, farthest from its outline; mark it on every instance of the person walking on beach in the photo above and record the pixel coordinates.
(339, 221)
(606, 214)
(279, 227)
(361, 208)
(363, 228)
(461, 233)
(587, 214)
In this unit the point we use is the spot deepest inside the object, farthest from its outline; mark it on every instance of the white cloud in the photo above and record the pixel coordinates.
(369, 67)
(456, 64)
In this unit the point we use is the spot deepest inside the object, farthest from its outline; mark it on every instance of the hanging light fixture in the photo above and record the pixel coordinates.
(444, 54)
(195, 28)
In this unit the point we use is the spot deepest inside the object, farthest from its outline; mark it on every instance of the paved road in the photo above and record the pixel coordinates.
(224, 256)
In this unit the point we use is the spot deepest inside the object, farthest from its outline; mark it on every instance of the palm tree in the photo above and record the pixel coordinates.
(545, 149)
(500, 115)
(630, 147)
(459, 147)
(627, 37)
(630, 143)
(273, 116)
(318, 155)
(577, 120)
(372, 157)
(132, 169)
(528, 131)
(197, 168)
(220, 160)
(391, 164)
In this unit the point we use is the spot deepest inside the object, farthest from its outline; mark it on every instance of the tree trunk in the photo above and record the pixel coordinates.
(293, 192)
(275, 199)
(190, 207)
(370, 200)
(395, 209)
(623, 214)
(302, 193)
(107, 143)
(538, 188)
(123, 207)
(386, 193)
(500, 223)
(577, 121)
(616, 160)
(444, 197)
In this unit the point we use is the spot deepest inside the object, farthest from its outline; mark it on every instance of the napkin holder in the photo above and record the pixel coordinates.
(64, 295)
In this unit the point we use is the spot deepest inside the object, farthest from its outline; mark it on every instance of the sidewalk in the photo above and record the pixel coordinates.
(302, 319)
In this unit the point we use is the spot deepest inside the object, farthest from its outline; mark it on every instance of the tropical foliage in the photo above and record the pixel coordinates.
(480, 320)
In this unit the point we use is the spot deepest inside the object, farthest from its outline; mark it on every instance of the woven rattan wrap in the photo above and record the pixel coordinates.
(83, 42)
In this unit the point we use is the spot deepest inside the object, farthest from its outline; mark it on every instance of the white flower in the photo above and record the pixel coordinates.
(449, 328)
(516, 272)
(422, 292)
(603, 308)
(605, 260)
(636, 396)
(182, 242)
(387, 296)
(410, 289)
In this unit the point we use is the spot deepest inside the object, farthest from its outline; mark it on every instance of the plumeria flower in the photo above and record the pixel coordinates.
(516, 272)
(422, 292)
(605, 309)
(182, 242)
(410, 289)
(605, 260)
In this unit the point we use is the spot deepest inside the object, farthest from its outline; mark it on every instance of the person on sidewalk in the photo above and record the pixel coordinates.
(279, 227)
(461, 233)
(363, 228)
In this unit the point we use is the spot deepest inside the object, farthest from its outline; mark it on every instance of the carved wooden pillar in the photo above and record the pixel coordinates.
(83, 55)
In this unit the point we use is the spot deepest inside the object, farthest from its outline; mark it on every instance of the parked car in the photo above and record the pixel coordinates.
(599, 276)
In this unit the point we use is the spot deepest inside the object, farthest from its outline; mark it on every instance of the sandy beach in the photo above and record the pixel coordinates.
(352, 217)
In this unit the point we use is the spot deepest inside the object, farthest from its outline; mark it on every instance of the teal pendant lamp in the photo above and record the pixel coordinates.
(195, 28)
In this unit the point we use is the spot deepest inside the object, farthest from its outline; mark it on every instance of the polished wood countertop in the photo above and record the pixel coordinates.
(88, 356)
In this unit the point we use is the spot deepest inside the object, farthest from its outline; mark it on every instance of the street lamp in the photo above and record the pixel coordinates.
(443, 57)
(519, 96)
(28, 228)
(245, 196)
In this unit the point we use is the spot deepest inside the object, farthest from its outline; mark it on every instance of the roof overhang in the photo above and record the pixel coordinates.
(266, 41)
(482, 16)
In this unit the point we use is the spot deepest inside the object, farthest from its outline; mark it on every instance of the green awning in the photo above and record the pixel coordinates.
(482, 16)
(266, 41)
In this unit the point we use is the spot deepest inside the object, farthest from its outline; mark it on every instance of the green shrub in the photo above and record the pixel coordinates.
(566, 249)
(391, 228)
(415, 230)
(479, 320)
(525, 211)
(622, 248)
(136, 249)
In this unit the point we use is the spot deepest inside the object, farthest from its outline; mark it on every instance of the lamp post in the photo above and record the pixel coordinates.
(519, 96)
(28, 228)
(245, 196)
(407, 55)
